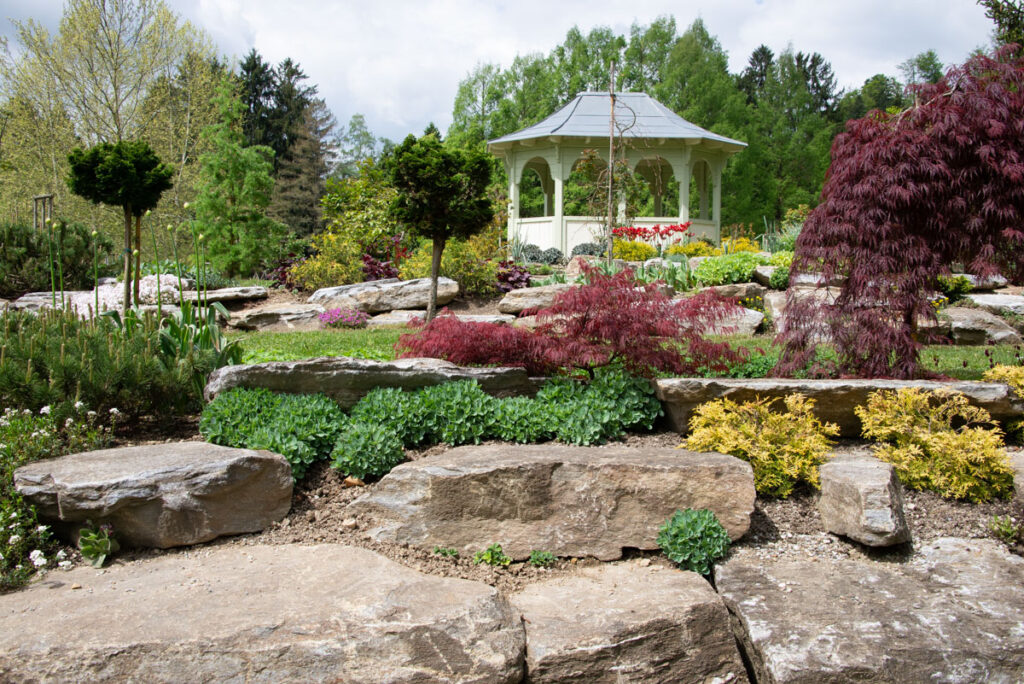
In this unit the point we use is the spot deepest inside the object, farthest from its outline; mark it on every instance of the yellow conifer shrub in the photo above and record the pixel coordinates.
(938, 441)
(783, 448)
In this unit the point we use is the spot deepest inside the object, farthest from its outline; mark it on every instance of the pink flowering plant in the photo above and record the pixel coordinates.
(344, 318)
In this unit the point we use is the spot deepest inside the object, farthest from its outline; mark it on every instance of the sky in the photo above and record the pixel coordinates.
(399, 62)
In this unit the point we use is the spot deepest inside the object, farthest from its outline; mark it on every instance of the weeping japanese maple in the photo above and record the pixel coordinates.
(908, 195)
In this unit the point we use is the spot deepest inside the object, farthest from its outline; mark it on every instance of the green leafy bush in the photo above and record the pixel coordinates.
(301, 427)
(460, 261)
(541, 559)
(492, 555)
(400, 411)
(457, 412)
(783, 448)
(603, 409)
(940, 442)
(737, 267)
(694, 540)
(521, 420)
(367, 449)
(25, 255)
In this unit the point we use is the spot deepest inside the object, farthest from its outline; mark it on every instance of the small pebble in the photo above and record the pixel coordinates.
(353, 482)
(311, 516)
(644, 562)
(349, 523)
(76, 585)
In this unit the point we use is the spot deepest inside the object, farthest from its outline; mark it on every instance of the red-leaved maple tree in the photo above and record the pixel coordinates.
(907, 196)
(611, 319)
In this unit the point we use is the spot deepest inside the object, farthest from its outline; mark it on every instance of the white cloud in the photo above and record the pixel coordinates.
(399, 62)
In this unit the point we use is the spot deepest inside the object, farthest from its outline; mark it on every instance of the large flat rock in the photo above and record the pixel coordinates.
(976, 327)
(834, 399)
(278, 318)
(377, 296)
(161, 495)
(347, 380)
(571, 501)
(288, 613)
(626, 623)
(953, 613)
(226, 294)
(742, 322)
(861, 498)
(999, 303)
(520, 300)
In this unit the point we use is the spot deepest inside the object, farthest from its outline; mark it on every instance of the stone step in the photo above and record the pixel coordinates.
(259, 614)
(571, 501)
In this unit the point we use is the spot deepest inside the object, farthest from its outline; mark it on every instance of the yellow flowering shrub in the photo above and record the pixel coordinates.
(740, 244)
(338, 261)
(938, 441)
(633, 250)
(462, 263)
(697, 248)
(783, 448)
(1014, 377)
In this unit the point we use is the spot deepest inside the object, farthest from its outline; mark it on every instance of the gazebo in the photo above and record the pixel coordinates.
(661, 147)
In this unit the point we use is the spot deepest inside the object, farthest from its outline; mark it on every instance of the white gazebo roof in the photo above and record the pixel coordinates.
(637, 115)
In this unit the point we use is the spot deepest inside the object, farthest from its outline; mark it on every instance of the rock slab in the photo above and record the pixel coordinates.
(260, 614)
(999, 303)
(278, 318)
(953, 613)
(161, 495)
(347, 380)
(524, 298)
(626, 623)
(1017, 463)
(226, 294)
(571, 501)
(834, 399)
(976, 327)
(378, 296)
(861, 498)
(743, 322)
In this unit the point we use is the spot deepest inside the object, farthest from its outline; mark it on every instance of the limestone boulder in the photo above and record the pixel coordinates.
(347, 380)
(288, 613)
(985, 283)
(835, 400)
(377, 296)
(161, 495)
(976, 327)
(763, 275)
(399, 317)
(737, 290)
(278, 318)
(775, 301)
(953, 613)
(520, 300)
(999, 303)
(226, 294)
(626, 623)
(861, 498)
(571, 501)
(743, 322)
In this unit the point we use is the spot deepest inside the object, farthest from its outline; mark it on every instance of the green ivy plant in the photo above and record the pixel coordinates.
(492, 555)
(694, 540)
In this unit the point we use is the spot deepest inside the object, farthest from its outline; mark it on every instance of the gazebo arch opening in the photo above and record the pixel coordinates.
(665, 149)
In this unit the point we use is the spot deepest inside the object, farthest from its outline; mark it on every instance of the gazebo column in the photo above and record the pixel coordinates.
(702, 186)
(716, 193)
(558, 213)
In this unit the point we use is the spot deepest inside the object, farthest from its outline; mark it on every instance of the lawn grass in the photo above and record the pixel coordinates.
(962, 363)
(366, 343)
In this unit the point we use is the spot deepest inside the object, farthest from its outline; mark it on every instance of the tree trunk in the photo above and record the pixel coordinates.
(435, 270)
(127, 260)
(138, 255)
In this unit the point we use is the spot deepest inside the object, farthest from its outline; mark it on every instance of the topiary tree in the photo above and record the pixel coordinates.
(441, 195)
(127, 174)
(908, 195)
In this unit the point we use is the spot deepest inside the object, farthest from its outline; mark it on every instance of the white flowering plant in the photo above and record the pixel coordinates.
(27, 545)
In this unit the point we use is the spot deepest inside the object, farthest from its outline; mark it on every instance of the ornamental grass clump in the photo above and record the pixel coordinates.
(343, 318)
(937, 441)
(784, 448)
(694, 540)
